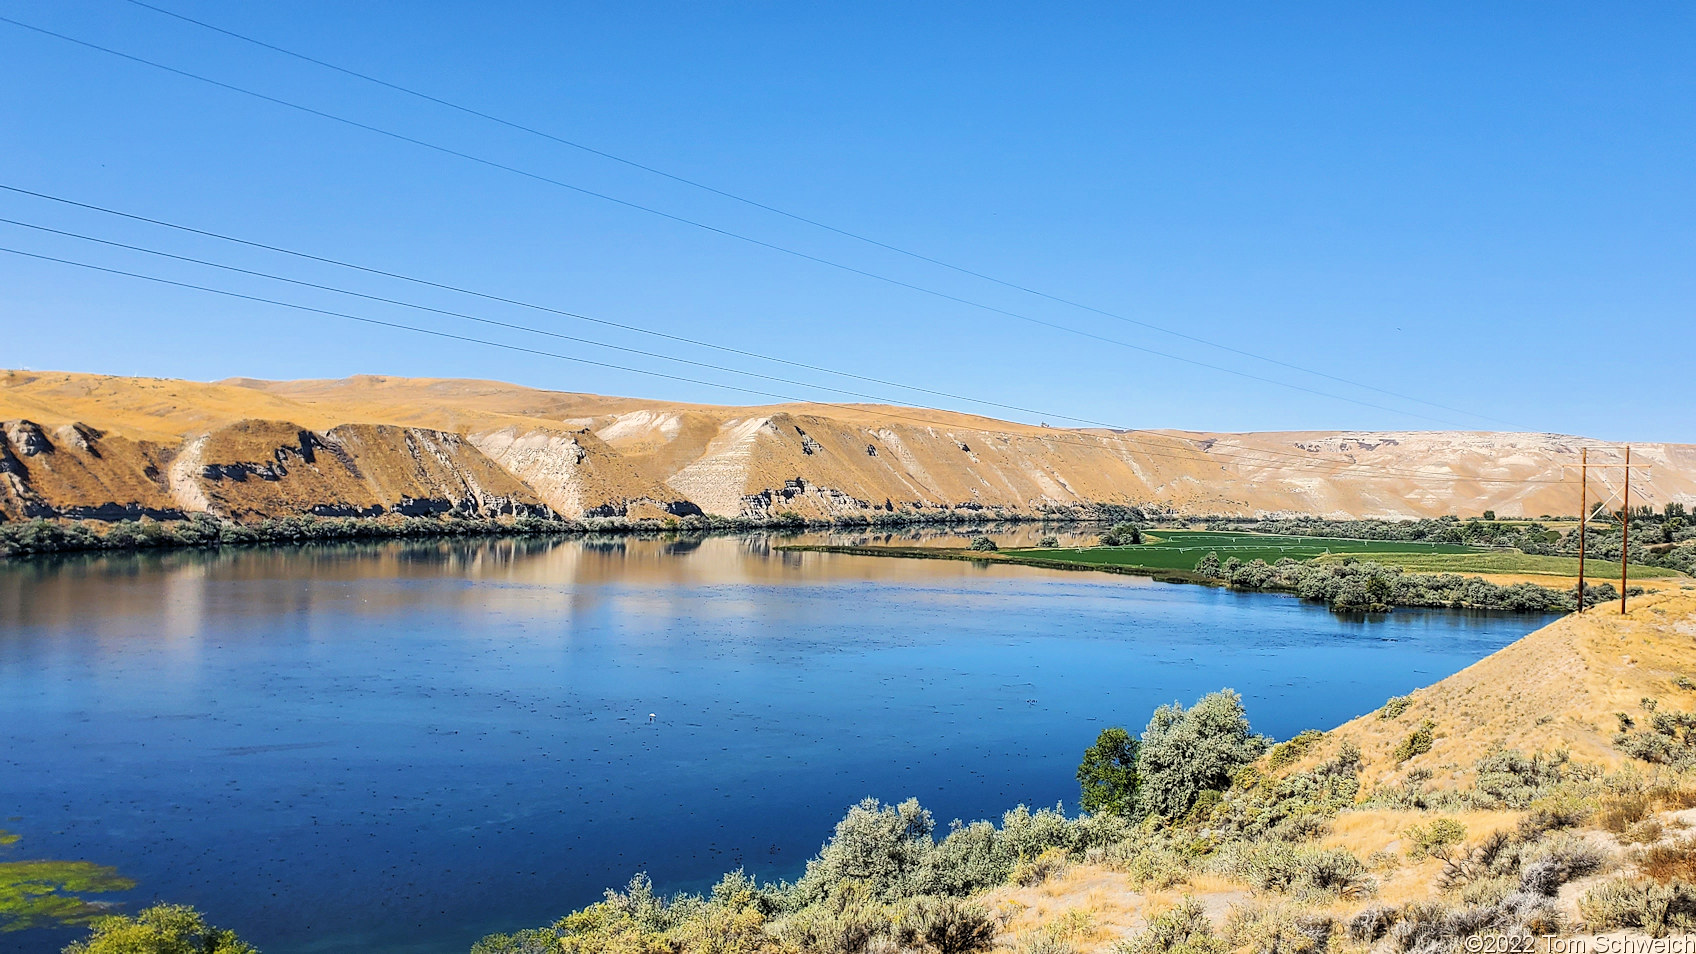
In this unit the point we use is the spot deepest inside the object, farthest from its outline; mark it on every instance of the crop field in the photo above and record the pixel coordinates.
(1182, 549)
(1498, 561)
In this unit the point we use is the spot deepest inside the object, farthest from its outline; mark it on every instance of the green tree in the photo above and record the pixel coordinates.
(161, 929)
(1185, 753)
(1108, 774)
(1209, 566)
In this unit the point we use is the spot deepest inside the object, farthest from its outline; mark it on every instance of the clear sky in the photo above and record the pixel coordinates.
(1487, 206)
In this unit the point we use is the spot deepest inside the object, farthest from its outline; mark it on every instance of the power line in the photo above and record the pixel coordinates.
(490, 343)
(1202, 456)
(513, 301)
(543, 308)
(538, 177)
(793, 216)
(588, 341)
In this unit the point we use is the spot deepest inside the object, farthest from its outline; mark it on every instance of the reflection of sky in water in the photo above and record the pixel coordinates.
(402, 746)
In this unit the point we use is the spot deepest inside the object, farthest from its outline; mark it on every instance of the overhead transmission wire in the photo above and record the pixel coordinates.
(775, 210)
(540, 177)
(543, 308)
(507, 345)
(1201, 455)
(523, 304)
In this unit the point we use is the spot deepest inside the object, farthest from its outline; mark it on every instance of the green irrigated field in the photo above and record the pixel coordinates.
(1182, 549)
(1498, 561)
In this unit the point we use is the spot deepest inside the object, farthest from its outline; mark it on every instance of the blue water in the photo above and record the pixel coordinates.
(401, 747)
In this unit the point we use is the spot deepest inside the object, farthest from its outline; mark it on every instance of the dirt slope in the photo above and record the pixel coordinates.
(1559, 687)
(94, 445)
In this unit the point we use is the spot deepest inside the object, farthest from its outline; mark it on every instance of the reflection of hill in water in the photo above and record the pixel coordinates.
(36, 589)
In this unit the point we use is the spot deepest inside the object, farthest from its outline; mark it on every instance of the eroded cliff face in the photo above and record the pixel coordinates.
(103, 447)
(252, 470)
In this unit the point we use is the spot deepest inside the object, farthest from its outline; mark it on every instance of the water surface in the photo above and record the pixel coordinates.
(402, 746)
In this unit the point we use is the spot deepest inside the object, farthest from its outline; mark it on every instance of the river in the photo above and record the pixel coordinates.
(399, 747)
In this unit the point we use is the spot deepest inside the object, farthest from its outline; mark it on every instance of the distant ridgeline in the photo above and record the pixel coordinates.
(92, 447)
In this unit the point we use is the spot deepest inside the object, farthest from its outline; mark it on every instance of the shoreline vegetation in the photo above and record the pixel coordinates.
(43, 536)
(1664, 542)
(1351, 585)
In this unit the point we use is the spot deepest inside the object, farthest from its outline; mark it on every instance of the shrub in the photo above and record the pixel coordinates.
(732, 921)
(1181, 929)
(1208, 567)
(1548, 865)
(161, 929)
(1418, 742)
(846, 922)
(1619, 813)
(1372, 922)
(1155, 866)
(1511, 779)
(984, 544)
(882, 847)
(533, 941)
(1276, 929)
(1641, 903)
(1304, 872)
(1048, 542)
(1286, 753)
(1057, 936)
(1555, 811)
(1046, 865)
(1676, 862)
(1433, 927)
(1184, 753)
(1394, 707)
(949, 925)
(1435, 839)
(1669, 740)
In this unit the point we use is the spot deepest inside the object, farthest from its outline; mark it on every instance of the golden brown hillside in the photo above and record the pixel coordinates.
(95, 445)
(1558, 688)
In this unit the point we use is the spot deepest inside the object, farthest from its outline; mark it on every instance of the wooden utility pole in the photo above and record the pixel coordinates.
(1625, 533)
(1583, 517)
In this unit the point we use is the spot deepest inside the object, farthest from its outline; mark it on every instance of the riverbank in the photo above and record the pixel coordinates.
(1354, 586)
(1497, 809)
(55, 536)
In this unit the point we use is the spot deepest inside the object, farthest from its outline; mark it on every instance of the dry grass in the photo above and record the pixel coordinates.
(1558, 687)
(1666, 862)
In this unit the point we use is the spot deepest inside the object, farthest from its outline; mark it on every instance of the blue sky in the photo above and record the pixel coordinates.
(1491, 207)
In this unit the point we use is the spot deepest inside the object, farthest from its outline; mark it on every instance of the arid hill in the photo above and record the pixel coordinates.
(83, 445)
